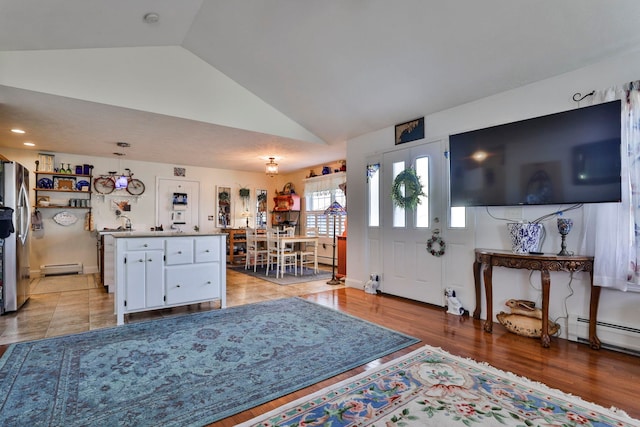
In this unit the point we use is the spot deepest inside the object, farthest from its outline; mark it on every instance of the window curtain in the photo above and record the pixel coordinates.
(611, 231)
(327, 182)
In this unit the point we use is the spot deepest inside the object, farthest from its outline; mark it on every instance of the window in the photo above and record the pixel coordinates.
(422, 210)
(317, 202)
(398, 212)
(319, 194)
(373, 186)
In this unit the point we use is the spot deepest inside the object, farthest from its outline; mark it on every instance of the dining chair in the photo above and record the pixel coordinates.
(273, 252)
(308, 254)
(256, 251)
(280, 254)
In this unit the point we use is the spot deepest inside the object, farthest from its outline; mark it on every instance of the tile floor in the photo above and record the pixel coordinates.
(67, 312)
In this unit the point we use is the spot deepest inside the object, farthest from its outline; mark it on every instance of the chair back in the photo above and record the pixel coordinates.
(289, 231)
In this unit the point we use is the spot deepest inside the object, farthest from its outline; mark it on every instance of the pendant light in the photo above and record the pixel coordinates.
(271, 168)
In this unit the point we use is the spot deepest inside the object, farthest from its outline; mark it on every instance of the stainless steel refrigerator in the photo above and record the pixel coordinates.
(14, 247)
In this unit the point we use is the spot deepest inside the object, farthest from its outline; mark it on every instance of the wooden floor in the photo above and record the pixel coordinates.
(604, 377)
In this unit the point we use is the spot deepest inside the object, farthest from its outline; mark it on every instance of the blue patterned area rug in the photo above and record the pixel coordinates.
(306, 275)
(187, 370)
(430, 387)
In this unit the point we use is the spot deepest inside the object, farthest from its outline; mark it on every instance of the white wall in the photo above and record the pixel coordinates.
(61, 244)
(545, 97)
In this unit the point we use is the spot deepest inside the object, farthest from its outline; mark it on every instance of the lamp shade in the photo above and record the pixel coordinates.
(335, 209)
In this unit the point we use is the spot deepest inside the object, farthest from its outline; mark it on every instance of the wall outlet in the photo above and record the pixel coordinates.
(514, 212)
(210, 218)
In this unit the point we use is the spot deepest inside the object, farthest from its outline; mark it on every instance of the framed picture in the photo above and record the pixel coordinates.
(67, 183)
(410, 131)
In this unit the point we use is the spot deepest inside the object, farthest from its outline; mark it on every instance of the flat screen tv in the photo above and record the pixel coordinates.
(564, 158)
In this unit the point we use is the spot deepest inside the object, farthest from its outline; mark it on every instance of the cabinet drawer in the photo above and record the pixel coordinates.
(207, 249)
(179, 251)
(144, 244)
(192, 283)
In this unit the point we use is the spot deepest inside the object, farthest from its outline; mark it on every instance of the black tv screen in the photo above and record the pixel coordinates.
(564, 158)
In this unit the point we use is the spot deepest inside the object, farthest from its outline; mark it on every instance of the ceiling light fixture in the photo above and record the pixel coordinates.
(151, 18)
(17, 131)
(271, 168)
(29, 144)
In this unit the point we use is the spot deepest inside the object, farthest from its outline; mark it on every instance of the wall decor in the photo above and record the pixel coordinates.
(223, 197)
(410, 131)
(261, 208)
(179, 172)
(64, 183)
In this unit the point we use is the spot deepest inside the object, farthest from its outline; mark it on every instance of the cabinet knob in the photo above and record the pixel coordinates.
(140, 260)
(150, 259)
(177, 286)
(179, 252)
(208, 282)
(207, 251)
(145, 245)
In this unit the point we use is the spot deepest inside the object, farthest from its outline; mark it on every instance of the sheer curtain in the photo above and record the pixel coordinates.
(611, 230)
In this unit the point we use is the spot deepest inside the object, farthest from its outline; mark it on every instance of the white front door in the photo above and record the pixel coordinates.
(409, 270)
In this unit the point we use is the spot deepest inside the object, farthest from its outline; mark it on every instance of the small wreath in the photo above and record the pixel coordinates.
(436, 240)
(410, 181)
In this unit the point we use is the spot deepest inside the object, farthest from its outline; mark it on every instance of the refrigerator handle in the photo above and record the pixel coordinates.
(25, 225)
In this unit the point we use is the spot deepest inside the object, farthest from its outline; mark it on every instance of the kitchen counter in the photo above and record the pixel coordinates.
(169, 233)
(162, 269)
(117, 232)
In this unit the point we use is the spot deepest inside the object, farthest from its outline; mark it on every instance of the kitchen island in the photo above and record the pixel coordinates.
(160, 269)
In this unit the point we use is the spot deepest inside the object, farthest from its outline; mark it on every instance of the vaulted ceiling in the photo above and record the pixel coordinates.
(300, 77)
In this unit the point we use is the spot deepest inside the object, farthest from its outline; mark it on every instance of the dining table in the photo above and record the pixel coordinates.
(291, 241)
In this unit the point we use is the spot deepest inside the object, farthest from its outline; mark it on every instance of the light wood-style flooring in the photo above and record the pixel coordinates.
(604, 377)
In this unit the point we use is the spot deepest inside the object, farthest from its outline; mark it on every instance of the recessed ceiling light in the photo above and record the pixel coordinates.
(17, 131)
(29, 144)
(151, 18)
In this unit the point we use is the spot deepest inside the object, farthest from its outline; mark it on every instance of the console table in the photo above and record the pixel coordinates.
(544, 263)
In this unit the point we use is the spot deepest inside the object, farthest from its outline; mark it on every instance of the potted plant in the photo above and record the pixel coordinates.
(223, 196)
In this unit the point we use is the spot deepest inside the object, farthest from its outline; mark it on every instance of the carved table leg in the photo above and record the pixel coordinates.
(593, 315)
(546, 284)
(477, 266)
(488, 324)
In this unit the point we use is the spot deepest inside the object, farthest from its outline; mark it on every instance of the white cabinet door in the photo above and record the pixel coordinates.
(134, 277)
(192, 283)
(154, 279)
(143, 280)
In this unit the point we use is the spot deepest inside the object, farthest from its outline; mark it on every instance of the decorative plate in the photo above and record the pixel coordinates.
(65, 218)
(45, 183)
(81, 184)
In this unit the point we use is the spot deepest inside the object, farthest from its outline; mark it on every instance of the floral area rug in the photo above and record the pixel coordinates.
(186, 370)
(430, 387)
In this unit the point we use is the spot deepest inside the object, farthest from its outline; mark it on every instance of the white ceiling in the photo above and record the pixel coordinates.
(338, 68)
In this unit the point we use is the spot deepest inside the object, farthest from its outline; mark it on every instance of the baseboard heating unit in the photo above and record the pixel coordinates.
(625, 339)
(58, 269)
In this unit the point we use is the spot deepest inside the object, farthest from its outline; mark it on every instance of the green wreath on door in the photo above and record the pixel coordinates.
(410, 181)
